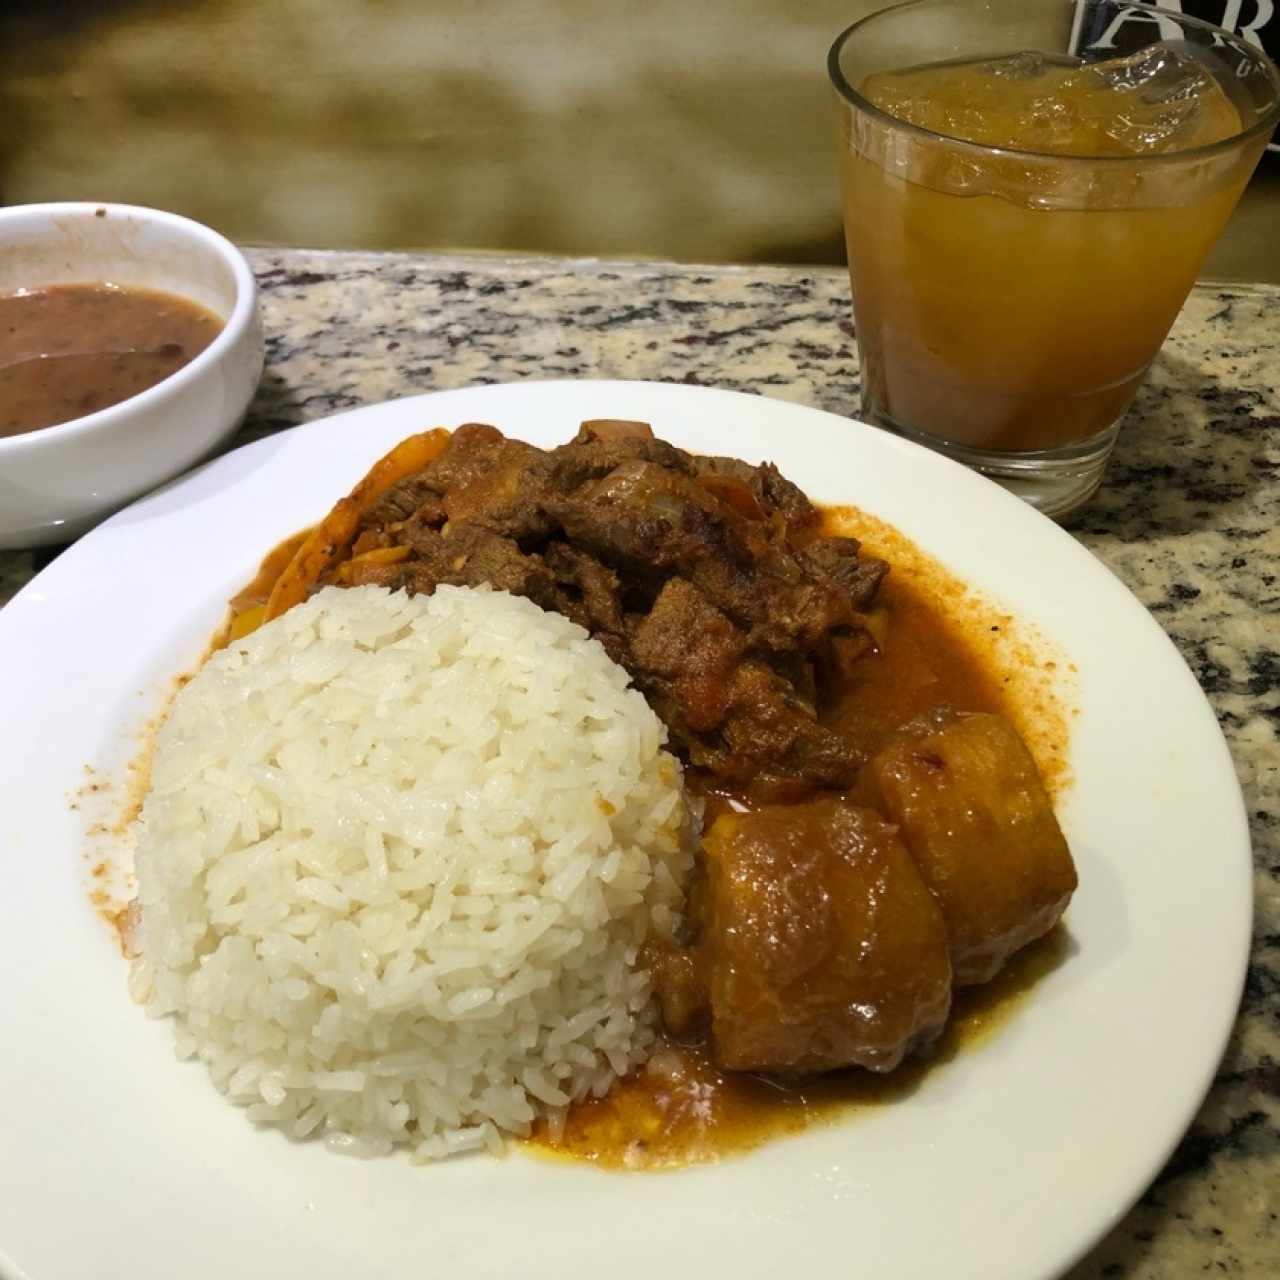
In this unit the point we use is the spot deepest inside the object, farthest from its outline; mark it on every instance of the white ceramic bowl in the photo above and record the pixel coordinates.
(58, 482)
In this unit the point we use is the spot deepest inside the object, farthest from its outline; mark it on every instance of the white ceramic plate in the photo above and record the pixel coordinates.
(1007, 1162)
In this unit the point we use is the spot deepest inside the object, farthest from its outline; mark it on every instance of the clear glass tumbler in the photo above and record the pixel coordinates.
(1030, 188)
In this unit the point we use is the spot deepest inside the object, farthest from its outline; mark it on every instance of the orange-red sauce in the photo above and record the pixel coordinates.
(1005, 664)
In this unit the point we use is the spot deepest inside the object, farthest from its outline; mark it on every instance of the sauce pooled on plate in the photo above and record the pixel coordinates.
(71, 349)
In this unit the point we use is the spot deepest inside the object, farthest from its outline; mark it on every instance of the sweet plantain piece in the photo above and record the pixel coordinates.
(975, 815)
(824, 947)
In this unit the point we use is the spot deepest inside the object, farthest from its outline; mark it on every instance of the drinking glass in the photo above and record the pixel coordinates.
(1009, 298)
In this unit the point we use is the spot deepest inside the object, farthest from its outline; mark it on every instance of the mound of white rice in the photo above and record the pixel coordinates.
(395, 865)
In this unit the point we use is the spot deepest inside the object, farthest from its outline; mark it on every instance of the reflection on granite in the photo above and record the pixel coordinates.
(1188, 518)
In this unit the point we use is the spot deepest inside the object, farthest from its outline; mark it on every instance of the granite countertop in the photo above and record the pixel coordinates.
(1189, 518)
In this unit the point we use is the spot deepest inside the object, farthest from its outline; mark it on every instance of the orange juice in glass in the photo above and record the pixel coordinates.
(1030, 187)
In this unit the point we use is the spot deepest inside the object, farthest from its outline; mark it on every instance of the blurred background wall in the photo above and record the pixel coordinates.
(688, 129)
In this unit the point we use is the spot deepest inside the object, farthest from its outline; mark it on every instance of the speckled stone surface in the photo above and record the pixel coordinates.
(1189, 518)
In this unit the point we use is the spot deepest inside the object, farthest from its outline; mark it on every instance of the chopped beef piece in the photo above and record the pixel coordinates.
(771, 732)
(690, 644)
(771, 491)
(591, 456)
(507, 496)
(470, 453)
(640, 515)
(590, 584)
(786, 497)
(785, 611)
(465, 556)
(838, 560)
(487, 480)
(767, 737)
(414, 495)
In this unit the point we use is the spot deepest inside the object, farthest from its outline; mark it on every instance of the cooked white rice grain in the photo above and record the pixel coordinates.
(395, 865)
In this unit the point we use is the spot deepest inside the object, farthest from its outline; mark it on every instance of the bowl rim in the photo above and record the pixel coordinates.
(237, 324)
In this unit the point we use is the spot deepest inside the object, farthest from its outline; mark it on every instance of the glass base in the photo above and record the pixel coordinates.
(1054, 481)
